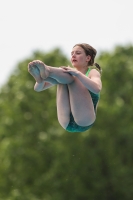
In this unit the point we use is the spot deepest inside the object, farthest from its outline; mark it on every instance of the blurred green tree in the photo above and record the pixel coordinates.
(28, 128)
(39, 160)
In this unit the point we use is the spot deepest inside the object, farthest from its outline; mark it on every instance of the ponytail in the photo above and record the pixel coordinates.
(98, 67)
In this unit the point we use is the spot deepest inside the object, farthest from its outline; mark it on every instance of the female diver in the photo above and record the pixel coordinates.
(78, 87)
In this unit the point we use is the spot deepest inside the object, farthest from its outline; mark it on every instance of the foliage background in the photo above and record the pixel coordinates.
(41, 161)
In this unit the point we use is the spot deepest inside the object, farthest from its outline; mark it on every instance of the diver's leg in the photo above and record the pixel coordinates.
(63, 105)
(41, 84)
(81, 103)
(56, 73)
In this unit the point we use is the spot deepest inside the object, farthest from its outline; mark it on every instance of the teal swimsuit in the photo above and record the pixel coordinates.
(73, 126)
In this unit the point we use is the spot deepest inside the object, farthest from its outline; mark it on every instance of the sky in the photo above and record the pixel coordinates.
(30, 25)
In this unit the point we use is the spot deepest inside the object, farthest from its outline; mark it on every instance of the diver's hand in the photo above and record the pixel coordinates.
(70, 70)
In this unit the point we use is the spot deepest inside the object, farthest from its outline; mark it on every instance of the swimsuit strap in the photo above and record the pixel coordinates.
(88, 71)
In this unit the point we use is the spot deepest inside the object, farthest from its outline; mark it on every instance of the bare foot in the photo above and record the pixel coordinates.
(34, 71)
(44, 69)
